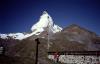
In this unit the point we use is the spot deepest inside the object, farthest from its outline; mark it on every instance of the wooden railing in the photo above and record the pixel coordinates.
(96, 53)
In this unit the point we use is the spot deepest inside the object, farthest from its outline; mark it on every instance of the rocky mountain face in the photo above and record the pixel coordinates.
(71, 38)
(75, 38)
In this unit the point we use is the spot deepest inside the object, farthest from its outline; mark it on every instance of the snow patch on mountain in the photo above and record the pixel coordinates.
(12, 35)
(19, 36)
(3, 36)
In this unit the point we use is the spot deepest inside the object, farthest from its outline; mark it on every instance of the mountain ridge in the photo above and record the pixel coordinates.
(45, 21)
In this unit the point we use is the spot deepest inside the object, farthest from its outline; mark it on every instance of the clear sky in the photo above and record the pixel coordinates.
(20, 15)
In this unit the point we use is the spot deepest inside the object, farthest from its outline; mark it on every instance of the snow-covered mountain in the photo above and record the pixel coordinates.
(45, 21)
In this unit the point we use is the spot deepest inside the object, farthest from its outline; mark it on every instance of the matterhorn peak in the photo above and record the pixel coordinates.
(44, 22)
(45, 12)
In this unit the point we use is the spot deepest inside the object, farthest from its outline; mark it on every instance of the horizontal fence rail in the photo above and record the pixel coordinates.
(97, 53)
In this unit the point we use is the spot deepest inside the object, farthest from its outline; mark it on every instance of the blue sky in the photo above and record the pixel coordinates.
(20, 15)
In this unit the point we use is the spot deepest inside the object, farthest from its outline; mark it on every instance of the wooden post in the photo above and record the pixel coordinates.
(56, 57)
(37, 42)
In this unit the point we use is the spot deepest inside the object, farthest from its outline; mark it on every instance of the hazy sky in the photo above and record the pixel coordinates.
(20, 15)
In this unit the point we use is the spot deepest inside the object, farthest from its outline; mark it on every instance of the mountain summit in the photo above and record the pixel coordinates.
(45, 21)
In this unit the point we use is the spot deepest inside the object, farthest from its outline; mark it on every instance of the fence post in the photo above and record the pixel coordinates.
(37, 43)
